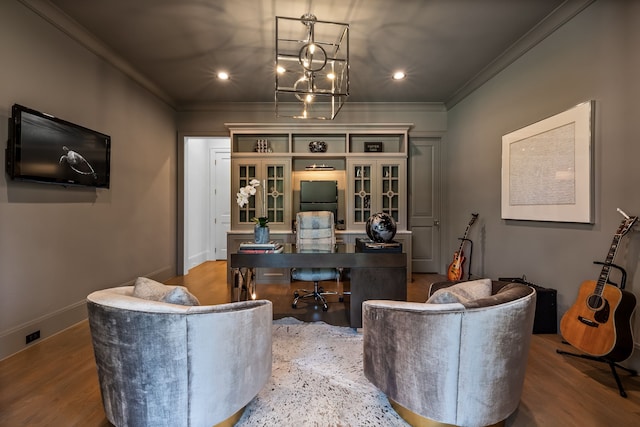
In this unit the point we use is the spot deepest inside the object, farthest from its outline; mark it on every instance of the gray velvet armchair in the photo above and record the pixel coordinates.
(453, 363)
(163, 364)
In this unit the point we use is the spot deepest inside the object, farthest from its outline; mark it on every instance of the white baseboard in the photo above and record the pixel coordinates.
(14, 340)
(197, 259)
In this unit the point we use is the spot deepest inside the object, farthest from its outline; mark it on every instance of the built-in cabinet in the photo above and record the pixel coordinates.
(368, 159)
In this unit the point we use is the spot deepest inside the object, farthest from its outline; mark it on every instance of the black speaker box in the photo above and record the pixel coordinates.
(546, 318)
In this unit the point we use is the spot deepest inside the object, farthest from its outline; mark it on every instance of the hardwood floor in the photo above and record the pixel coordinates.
(54, 382)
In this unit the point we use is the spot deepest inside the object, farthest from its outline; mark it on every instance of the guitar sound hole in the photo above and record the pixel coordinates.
(595, 302)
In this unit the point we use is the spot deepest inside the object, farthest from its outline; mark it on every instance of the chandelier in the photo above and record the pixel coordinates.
(312, 67)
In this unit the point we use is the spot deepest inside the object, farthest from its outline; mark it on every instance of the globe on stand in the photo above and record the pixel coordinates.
(381, 227)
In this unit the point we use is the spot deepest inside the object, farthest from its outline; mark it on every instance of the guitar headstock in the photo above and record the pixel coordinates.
(474, 216)
(626, 225)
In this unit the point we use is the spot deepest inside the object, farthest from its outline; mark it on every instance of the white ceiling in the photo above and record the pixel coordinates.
(175, 47)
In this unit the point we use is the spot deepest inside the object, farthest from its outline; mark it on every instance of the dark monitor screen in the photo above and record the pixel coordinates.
(318, 191)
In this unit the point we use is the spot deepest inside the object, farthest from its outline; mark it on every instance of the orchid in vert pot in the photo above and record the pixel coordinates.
(242, 198)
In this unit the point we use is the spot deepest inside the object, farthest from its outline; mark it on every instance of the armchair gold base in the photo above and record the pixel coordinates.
(416, 420)
(232, 420)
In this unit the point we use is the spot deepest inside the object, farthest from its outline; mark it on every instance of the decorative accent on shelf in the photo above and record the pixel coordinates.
(373, 147)
(312, 67)
(318, 147)
(315, 167)
(263, 146)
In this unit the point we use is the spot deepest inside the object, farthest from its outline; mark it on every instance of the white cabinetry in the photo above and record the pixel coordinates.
(369, 161)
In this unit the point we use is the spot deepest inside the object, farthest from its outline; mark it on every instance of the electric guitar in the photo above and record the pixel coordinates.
(455, 270)
(599, 322)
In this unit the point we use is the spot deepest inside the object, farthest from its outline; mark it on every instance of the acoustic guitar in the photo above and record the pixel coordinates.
(599, 322)
(455, 270)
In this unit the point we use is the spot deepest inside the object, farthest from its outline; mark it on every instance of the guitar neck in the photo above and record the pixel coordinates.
(606, 269)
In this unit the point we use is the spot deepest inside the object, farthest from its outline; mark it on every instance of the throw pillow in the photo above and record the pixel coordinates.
(462, 292)
(180, 295)
(148, 289)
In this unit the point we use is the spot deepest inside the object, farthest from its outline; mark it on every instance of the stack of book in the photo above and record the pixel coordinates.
(368, 245)
(271, 247)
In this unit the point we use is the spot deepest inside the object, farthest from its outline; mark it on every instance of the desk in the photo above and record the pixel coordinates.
(373, 275)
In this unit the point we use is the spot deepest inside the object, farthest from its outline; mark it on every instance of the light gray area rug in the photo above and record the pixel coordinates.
(318, 380)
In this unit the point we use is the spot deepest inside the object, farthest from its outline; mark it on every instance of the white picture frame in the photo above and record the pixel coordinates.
(547, 168)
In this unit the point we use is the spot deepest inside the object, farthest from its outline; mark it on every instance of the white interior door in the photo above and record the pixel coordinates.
(221, 201)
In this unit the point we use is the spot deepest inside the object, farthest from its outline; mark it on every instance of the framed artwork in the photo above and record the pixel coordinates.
(373, 147)
(547, 168)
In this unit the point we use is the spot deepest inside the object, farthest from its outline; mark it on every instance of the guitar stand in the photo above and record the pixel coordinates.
(463, 239)
(613, 365)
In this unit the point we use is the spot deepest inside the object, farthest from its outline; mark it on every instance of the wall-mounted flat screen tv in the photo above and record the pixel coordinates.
(43, 148)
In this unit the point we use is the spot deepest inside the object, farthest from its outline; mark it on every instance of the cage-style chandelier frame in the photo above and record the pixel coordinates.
(312, 67)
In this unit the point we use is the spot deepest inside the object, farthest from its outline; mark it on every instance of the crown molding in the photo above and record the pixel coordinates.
(556, 19)
(56, 17)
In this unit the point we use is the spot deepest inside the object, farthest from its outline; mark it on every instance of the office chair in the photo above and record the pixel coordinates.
(315, 233)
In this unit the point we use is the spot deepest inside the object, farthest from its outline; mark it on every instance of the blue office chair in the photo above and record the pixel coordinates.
(315, 233)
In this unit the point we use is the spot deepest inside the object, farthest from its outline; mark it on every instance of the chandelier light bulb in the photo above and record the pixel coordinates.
(280, 69)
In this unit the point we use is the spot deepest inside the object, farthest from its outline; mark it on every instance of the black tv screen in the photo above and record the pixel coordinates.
(318, 191)
(47, 149)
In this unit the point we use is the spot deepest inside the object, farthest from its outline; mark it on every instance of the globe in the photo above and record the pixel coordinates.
(381, 227)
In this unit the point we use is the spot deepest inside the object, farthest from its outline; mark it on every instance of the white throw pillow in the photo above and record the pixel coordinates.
(148, 289)
(462, 292)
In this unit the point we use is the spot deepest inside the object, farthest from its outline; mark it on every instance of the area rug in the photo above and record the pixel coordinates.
(318, 380)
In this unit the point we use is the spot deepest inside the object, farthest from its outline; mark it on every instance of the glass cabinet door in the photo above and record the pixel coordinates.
(272, 197)
(361, 194)
(390, 190)
(275, 193)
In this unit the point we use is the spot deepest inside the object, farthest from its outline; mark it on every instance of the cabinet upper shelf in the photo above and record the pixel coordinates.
(349, 140)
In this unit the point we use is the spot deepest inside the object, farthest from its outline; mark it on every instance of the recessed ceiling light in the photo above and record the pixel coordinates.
(399, 75)
(223, 76)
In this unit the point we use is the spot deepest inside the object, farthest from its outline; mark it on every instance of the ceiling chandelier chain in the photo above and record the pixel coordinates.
(310, 82)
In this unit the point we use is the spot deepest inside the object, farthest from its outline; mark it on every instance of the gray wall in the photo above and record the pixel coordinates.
(593, 57)
(59, 244)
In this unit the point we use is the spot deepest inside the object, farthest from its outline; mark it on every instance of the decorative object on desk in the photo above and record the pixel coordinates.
(381, 227)
(373, 147)
(368, 245)
(242, 198)
(260, 248)
(261, 233)
(318, 147)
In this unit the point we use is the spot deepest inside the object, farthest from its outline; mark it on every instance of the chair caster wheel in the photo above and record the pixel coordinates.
(296, 295)
(325, 307)
(294, 306)
(341, 299)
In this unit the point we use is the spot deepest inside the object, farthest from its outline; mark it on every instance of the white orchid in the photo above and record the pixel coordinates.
(242, 198)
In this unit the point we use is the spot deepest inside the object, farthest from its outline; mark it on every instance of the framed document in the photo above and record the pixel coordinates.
(547, 171)
(373, 147)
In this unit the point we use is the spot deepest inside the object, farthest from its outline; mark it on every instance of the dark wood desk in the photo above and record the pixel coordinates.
(373, 275)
